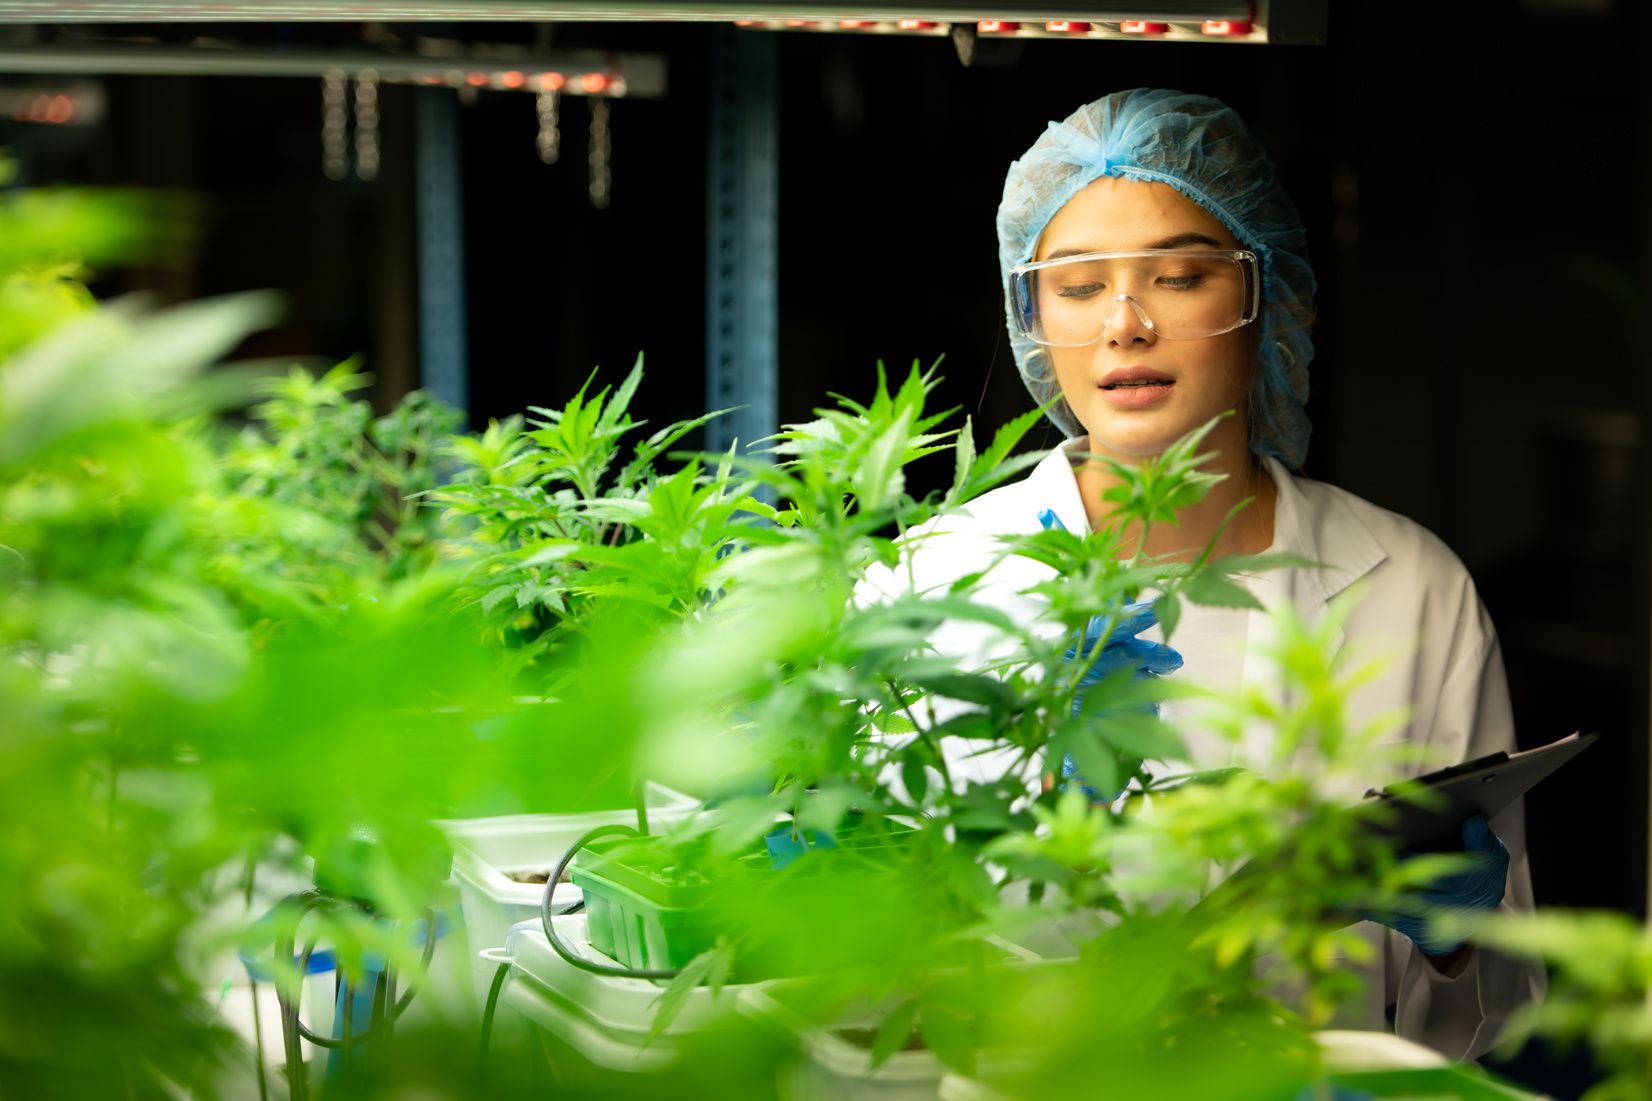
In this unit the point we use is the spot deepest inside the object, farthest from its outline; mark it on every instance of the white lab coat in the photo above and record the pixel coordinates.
(1420, 608)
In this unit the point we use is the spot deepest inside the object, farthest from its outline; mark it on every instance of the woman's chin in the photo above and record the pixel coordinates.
(1138, 434)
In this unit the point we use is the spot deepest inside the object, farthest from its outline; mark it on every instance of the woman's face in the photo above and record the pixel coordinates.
(1188, 381)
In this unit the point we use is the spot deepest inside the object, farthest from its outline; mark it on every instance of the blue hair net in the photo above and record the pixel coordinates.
(1199, 146)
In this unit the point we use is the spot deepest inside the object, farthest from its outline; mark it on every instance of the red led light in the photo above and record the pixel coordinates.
(854, 24)
(748, 22)
(914, 25)
(552, 82)
(593, 82)
(513, 80)
(61, 109)
(1063, 27)
(798, 23)
(996, 26)
(434, 80)
(476, 79)
(1142, 26)
(1224, 26)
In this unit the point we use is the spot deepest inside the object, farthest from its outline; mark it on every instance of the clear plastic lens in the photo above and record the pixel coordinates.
(1179, 294)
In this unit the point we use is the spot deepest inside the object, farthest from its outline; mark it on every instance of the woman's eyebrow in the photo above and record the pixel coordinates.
(1180, 240)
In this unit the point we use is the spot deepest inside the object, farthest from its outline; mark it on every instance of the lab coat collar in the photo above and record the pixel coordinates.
(1324, 529)
(1055, 487)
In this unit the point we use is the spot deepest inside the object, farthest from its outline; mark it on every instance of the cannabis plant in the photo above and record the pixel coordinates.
(1600, 974)
(561, 518)
(160, 755)
(338, 487)
(808, 694)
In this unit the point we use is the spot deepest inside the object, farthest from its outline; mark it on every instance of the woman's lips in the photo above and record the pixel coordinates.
(1134, 395)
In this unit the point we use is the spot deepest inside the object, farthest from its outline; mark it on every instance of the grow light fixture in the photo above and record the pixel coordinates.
(573, 72)
(45, 107)
(1228, 21)
(1174, 20)
(78, 104)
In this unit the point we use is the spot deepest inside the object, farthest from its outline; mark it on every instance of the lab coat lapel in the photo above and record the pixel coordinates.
(1319, 527)
(1053, 486)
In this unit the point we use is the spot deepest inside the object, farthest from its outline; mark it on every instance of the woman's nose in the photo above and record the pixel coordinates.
(1129, 323)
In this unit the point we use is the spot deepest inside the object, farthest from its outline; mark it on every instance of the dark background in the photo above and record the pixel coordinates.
(1474, 179)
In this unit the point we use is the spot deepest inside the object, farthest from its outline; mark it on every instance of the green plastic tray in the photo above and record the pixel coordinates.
(638, 918)
(642, 917)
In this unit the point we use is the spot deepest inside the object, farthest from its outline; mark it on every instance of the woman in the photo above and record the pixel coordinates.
(1156, 276)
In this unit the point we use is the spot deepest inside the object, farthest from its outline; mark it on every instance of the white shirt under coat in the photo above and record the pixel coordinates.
(1420, 609)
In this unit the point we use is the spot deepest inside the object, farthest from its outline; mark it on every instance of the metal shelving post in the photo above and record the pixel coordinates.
(444, 367)
(742, 238)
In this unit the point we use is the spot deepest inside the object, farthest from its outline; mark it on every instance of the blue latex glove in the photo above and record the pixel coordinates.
(1120, 650)
(1471, 894)
(1123, 650)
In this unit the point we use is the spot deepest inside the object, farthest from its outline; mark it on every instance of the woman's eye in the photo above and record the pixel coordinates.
(1082, 291)
(1182, 282)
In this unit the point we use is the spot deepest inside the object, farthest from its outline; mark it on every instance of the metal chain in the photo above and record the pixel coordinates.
(367, 124)
(550, 138)
(601, 154)
(334, 162)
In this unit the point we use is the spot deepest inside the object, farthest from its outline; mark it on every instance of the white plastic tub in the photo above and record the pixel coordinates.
(596, 1026)
(955, 1087)
(487, 850)
(833, 1069)
(1345, 1051)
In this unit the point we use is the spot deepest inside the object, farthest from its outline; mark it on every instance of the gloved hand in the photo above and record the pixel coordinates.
(1469, 895)
(1120, 650)
(1123, 650)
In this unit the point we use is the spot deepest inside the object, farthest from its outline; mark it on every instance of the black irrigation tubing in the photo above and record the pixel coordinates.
(487, 1024)
(389, 1018)
(258, 1039)
(293, 1028)
(565, 950)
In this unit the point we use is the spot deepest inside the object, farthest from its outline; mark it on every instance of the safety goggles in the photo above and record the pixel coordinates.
(1181, 294)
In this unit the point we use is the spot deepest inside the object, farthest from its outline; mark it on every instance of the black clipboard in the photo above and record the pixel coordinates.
(1448, 797)
(1427, 813)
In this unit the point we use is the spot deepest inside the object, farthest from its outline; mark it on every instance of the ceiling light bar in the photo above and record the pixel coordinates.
(575, 72)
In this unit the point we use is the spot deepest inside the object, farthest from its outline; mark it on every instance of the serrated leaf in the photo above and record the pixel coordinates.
(741, 821)
(971, 724)
(1208, 588)
(1141, 735)
(964, 449)
(711, 966)
(879, 477)
(894, 1032)
(950, 1038)
(980, 688)
(915, 777)
(621, 401)
(1097, 765)
(1168, 607)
